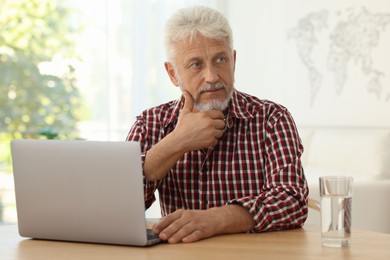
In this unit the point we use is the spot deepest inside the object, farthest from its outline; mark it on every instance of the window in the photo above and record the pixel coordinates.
(89, 67)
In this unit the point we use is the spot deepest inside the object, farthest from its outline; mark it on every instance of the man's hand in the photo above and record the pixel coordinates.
(194, 131)
(193, 225)
(186, 226)
(197, 130)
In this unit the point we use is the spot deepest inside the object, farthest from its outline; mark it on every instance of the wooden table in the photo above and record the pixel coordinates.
(292, 244)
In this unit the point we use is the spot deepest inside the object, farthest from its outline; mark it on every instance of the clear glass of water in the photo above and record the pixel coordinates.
(336, 209)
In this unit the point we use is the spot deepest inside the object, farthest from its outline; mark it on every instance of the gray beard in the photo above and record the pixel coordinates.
(214, 104)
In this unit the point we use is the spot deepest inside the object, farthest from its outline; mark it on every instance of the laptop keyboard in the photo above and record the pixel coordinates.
(151, 235)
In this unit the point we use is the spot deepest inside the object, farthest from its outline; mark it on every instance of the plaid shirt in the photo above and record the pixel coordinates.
(255, 164)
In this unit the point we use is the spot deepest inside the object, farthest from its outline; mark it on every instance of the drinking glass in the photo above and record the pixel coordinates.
(336, 206)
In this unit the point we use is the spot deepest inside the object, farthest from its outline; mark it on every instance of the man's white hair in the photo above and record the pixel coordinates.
(188, 22)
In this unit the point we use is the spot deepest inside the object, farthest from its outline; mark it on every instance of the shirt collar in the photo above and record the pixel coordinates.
(238, 108)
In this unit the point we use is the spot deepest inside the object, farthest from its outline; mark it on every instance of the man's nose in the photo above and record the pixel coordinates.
(211, 75)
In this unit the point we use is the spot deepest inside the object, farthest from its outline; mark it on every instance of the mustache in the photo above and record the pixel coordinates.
(211, 87)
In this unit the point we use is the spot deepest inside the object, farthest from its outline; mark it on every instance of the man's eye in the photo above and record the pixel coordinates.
(221, 59)
(196, 65)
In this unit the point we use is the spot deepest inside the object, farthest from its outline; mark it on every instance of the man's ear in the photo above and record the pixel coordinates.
(234, 60)
(170, 68)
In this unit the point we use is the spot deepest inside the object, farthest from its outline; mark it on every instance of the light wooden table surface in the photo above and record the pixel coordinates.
(292, 244)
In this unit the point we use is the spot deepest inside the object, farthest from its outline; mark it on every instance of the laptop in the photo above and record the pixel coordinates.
(84, 191)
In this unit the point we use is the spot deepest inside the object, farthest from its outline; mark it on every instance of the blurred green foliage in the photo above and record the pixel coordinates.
(39, 97)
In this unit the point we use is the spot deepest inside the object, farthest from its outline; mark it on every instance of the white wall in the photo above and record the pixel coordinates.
(267, 34)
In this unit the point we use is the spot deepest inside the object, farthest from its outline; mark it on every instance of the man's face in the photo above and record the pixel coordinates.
(205, 69)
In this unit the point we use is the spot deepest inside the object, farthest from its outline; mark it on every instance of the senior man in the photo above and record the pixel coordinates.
(223, 161)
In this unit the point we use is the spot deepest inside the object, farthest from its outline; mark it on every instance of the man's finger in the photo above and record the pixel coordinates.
(166, 221)
(219, 124)
(218, 134)
(173, 228)
(188, 102)
(215, 114)
(177, 234)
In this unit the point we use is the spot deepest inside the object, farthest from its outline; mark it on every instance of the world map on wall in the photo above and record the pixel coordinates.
(351, 37)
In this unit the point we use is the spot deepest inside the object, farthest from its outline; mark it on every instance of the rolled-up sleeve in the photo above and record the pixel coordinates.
(282, 203)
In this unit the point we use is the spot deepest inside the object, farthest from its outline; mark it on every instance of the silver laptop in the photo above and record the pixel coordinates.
(86, 191)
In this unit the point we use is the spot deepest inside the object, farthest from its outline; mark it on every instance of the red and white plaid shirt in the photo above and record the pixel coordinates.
(255, 164)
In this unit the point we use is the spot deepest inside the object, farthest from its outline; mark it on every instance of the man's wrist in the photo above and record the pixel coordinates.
(175, 143)
(232, 218)
(162, 157)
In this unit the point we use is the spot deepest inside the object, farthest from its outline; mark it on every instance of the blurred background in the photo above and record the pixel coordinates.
(84, 69)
